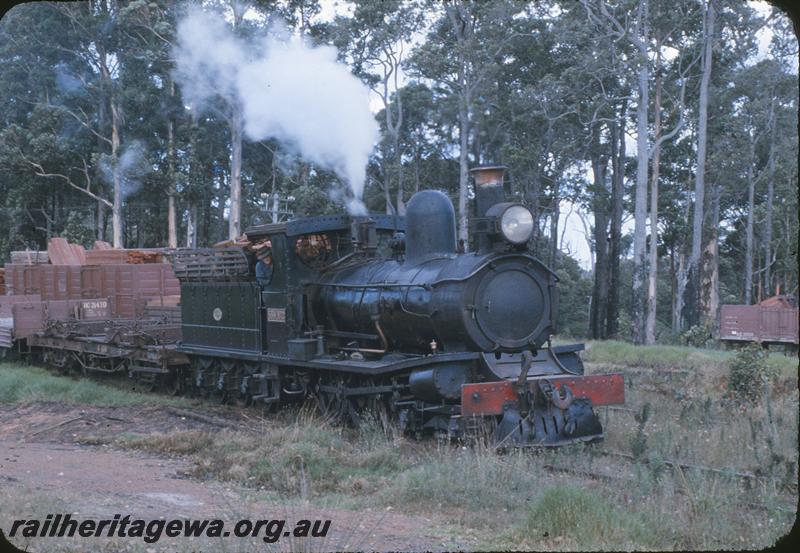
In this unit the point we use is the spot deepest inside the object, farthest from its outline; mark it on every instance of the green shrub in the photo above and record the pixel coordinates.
(699, 336)
(639, 440)
(749, 373)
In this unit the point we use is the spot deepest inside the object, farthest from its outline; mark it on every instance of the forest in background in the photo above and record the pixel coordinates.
(97, 141)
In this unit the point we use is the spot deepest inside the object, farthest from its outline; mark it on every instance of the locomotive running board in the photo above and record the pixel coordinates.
(555, 360)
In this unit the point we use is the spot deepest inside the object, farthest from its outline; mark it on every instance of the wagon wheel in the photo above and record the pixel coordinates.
(83, 362)
(216, 395)
(376, 406)
(175, 384)
(151, 385)
(52, 360)
(222, 397)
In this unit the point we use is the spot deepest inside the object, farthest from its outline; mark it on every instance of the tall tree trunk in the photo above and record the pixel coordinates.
(533, 201)
(711, 267)
(224, 230)
(652, 280)
(417, 157)
(554, 224)
(196, 183)
(398, 159)
(617, 190)
(598, 313)
(235, 214)
(236, 128)
(681, 278)
(102, 119)
(191, 227)
(400, 202)
(387, 189)
(172, 216)
(770, 200)
(463, 174)
(457, 14)
(748, 253)
(101, 221)
(691, 304)
(116, 210)
(640, 200)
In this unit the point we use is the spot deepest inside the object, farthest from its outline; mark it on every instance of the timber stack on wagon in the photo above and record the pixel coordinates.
(67, 282)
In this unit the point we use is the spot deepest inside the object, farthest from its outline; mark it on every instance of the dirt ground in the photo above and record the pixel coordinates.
(46, 457)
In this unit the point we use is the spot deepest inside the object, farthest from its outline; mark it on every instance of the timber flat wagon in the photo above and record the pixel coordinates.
(94, 313)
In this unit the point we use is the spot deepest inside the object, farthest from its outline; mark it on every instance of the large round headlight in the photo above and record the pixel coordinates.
(516, 224)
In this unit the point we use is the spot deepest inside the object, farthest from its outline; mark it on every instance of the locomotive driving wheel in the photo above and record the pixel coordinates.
(332, 401)
(336, 405)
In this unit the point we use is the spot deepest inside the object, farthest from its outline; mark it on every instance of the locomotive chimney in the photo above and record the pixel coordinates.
(488, 187)
(430, 226)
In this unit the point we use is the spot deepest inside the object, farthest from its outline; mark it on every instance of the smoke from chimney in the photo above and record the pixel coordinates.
(288, 90)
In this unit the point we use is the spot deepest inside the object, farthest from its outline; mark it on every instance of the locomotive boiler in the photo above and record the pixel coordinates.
(437, 299)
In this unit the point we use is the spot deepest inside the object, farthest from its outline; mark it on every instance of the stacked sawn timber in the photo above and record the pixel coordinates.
(29, 257)
(62, 252)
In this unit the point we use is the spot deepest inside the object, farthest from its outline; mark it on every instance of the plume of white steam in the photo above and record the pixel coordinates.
(287, 90)
(131, 167)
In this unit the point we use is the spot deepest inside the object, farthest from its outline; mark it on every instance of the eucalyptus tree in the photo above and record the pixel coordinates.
(375, 40)
(616, 21)
(693, 268)
(673, 30)
(461, 52)
(29, 81)
(149, 30)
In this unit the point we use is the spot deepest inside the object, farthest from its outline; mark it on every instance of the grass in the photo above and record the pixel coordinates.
(614, 352)
(559, 510)
(527, 499)
(19, 383)
(505, 501)
(299, 459)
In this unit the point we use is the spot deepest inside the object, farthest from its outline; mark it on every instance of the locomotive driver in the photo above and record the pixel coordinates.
(264, 265)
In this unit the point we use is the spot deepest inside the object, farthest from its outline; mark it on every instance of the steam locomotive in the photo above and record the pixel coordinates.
(373, 315)
(384, 313)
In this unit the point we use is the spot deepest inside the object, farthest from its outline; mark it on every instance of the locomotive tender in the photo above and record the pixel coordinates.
(385, 314)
